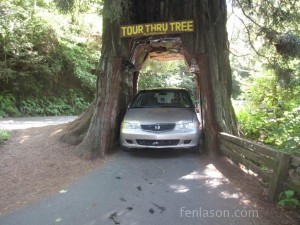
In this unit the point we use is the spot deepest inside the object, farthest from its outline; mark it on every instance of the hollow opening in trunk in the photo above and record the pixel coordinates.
(163, 62)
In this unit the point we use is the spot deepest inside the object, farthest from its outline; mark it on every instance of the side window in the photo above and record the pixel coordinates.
(177, 100)
(186, 99)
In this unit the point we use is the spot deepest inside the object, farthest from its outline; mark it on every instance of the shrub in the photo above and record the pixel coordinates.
(4, 136)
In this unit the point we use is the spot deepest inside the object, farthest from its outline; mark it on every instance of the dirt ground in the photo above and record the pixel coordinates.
(35, 164)
(255, 194)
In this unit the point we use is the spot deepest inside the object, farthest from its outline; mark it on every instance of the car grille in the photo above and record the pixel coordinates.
(159, 127)
(157, 142)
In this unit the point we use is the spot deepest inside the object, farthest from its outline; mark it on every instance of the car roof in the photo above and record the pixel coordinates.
(164, 89)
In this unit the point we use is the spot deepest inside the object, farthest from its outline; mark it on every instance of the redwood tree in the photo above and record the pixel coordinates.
(96, 131)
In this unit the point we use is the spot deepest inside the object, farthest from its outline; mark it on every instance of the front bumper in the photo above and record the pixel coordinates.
(178, 139)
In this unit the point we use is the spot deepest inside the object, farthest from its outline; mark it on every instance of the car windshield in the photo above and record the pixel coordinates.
(162, 98)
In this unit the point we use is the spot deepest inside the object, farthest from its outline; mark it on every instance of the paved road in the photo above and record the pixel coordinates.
(151, 188)
(24, 123)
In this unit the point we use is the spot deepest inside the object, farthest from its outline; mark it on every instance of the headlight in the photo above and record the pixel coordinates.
(130, 125)
(186, 126)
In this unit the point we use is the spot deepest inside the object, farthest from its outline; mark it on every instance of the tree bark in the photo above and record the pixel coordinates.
(206, 50)
(114, 91)
(75, 131)
(212, 57)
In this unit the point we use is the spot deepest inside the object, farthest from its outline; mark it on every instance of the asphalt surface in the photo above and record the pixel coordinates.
(27, 122)
(151, 188)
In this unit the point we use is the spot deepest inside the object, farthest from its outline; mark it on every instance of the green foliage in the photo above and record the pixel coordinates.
(271, 30)
(76, 7)
(8, 105)
(282, 133)
(65, 5)
(166, 74)
(288, 45)
(82, 62)
(266, 48)
(53, 106)
(288, 199)
(116, 9)
(44, 60)
(275, 21)
(272, 114)
(236, 86)
(4, 136)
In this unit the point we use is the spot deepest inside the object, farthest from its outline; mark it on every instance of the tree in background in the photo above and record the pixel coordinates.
(272, 31)
(266, 51)
(172, 73)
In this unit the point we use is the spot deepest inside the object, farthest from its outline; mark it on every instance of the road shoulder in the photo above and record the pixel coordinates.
(34, 164)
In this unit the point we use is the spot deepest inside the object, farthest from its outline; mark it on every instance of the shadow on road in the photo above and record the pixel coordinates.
(161, 153)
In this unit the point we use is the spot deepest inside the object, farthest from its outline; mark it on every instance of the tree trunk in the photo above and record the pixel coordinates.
(205, 49)
(114, 91)
(210, 50)
(75, 132)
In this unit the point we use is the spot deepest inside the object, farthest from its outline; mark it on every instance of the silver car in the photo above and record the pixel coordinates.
(160, 118)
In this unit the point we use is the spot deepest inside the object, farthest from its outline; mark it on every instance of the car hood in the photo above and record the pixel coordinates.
(160, 115)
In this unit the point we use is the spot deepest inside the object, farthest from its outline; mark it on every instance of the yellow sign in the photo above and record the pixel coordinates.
(162, 28)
